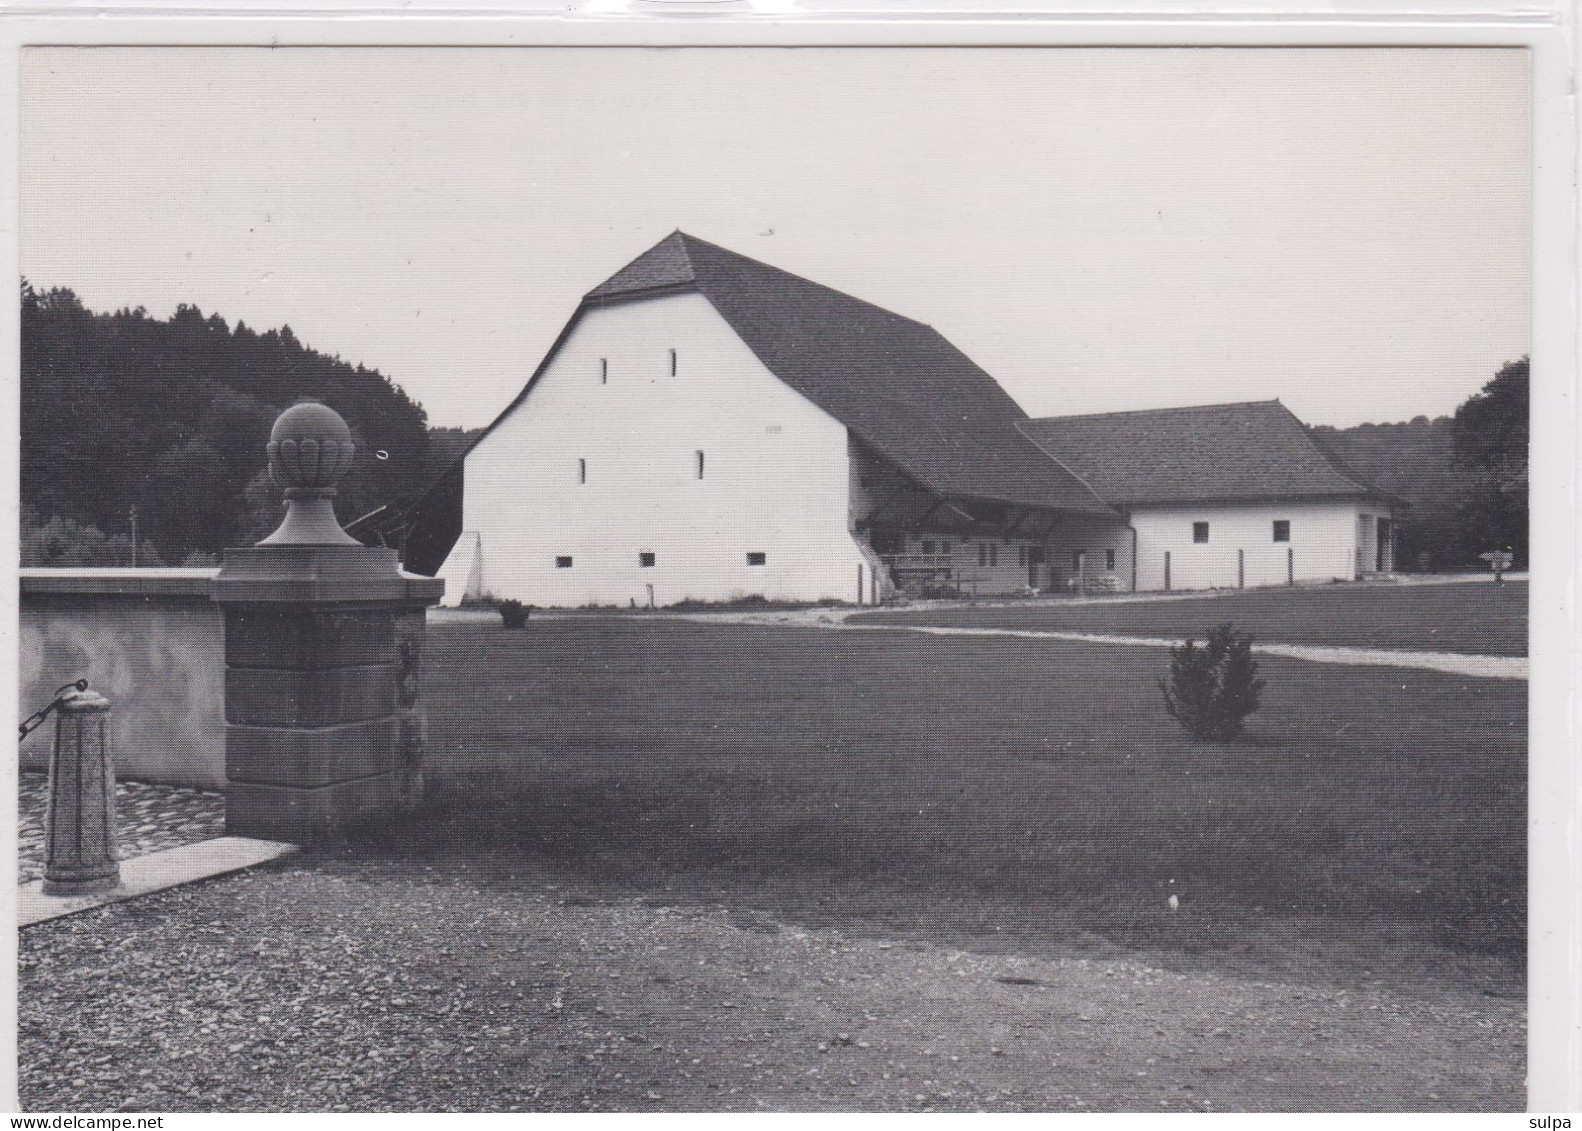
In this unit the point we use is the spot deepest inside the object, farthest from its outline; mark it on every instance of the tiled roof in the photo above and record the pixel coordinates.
(1209, 453)
(899, 386)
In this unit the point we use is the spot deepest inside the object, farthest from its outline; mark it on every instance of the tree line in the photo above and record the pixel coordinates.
(1465, 475)
(130, 421)
(161, 424)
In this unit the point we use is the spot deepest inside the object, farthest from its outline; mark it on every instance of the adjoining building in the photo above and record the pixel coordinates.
(707, 427)
(1228, 495)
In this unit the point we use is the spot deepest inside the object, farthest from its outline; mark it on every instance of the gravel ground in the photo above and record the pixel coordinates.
(150, 818)
(330, 985)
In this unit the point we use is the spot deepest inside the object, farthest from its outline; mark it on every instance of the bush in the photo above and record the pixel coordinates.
(65, 543)
(1214, 688)
(513, 614)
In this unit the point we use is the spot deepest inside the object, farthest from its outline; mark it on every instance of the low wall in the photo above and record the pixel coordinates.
(149, 640)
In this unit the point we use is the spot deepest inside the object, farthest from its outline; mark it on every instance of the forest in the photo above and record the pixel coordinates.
(160, 424)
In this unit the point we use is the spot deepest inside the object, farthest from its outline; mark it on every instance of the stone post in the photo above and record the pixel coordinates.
(323, 651)
(80, 851)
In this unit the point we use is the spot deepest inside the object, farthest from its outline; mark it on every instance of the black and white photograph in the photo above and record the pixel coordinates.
(872, 579)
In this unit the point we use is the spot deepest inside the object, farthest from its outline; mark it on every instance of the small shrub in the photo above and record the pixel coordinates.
(513, 614)
(1214, 688)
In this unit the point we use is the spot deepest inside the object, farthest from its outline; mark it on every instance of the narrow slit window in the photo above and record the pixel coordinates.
(1282, 530)
(756, 558)
(563, 561)
(699, 457)
(1109, 559)
(645, 558)
(604, 371)
(1200, 532)
(582, 471)
(672, 363)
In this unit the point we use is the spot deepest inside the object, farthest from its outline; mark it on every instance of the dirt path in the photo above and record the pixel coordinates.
(1453, 663)
(396, 987)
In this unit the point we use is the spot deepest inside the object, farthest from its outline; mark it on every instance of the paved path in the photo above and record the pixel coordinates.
(151, 818)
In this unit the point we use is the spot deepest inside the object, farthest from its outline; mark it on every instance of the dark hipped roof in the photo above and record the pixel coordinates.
(899, 386)
(1209, 453)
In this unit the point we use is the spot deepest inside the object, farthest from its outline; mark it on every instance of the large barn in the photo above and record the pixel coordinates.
(707, 427)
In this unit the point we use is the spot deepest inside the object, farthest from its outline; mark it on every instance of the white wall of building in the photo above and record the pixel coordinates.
(1324, 543)
(1105, 546)
(599, 464)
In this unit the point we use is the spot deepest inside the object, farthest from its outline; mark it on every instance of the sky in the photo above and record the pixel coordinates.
(1347, 230)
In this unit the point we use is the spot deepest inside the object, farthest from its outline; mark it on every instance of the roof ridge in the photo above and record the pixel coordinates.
(1071, 471)
(1343, 469)
(1156, 411)
(803, 279)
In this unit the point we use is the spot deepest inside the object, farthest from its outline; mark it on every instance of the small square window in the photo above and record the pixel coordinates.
(1282, 530)
(757, 558)
(1200, 532)
(928, 547)
(646, 558)
(563, 561)
(1109, 559)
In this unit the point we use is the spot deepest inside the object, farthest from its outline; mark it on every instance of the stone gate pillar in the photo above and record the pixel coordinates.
(323, 646)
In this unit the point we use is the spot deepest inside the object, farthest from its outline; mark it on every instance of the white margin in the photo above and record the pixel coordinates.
(1547, 27)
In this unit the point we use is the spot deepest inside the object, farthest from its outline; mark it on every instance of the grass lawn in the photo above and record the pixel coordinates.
(1470, 618)
(1372, 821)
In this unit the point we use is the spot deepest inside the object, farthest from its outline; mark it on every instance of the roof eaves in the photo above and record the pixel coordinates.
(1236, 500)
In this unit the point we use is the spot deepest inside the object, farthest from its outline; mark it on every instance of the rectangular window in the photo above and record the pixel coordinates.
(563, 561)
(1200, 532)
(1282, 530)
(604, 371)
(1076, 560)
(994, 554)
(582, 471)
(672, 363)
(944, 547)
(1109, 559)
(928, 547)
(758, 558)
(983, 553)
(699, 457)
(1021, 556)
(645, 558)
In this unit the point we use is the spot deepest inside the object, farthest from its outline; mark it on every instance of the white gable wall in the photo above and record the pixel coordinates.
(775, 472)
(1324, 543)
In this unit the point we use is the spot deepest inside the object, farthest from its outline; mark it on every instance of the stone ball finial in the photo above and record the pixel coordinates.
(310, 450)
(310, 447)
